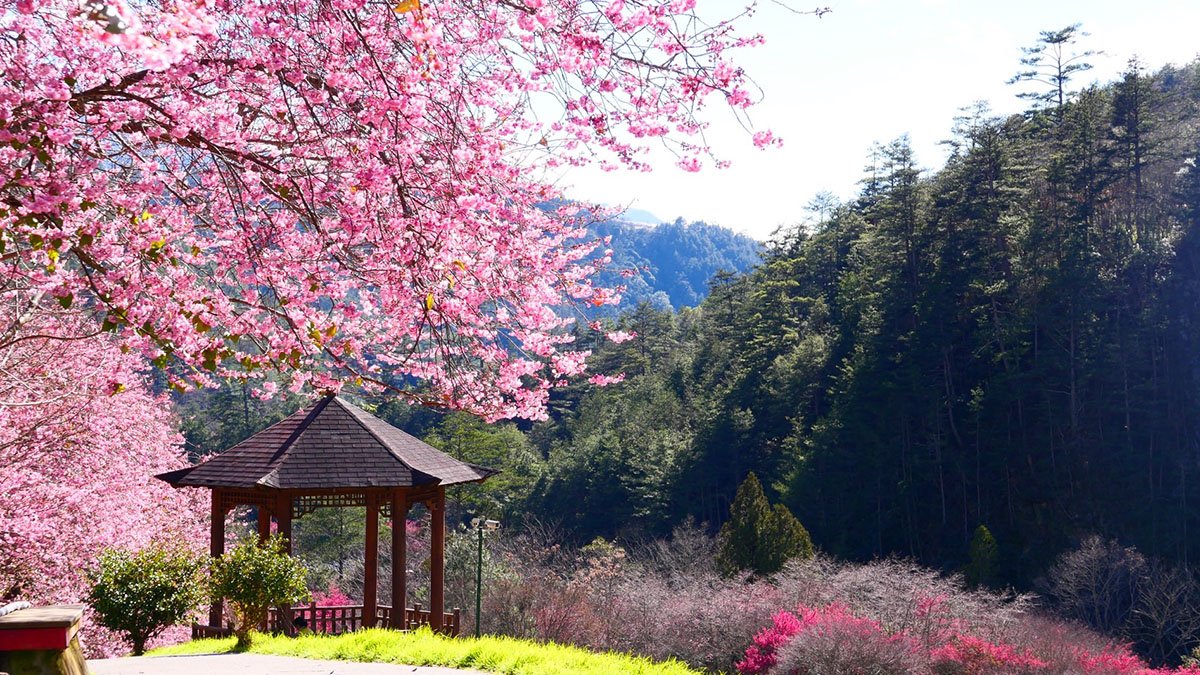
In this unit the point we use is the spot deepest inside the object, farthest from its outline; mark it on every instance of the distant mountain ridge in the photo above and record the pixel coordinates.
(673, 262)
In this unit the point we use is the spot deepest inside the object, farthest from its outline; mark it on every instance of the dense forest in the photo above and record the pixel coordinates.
(1011, 341)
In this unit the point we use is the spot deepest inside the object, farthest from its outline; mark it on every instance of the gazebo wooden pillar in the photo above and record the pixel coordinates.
(216, 548)
(336, 454)
(371, 563)
(399, 560)
(283, 515)
(437, 561)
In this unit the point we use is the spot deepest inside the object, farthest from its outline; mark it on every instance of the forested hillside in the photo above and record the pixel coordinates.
(1012, 341)
(672, 263)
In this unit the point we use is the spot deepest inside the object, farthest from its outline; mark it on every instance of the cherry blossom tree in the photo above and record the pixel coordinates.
(343, 191)
(80, 439)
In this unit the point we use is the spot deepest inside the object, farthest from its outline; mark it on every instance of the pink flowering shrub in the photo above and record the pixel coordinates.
(1118, 660)
(828, 640)
(761, 656)
(969, 655)
(833, 640)
(333, 597)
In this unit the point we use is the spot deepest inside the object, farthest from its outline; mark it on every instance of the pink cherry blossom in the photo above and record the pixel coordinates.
(81, 436)
(342, 192)
(765, 139)
(605, 380)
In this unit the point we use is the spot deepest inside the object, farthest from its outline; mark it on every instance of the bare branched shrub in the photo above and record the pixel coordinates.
(689, 552)
(706, 620)
(1056, 642)
(1116, 590)
(1097, 584)
(666, 599)
(1165, 620)
(905, 597)
(508, 605)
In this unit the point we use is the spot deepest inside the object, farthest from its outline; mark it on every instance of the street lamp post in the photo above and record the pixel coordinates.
(480, 525)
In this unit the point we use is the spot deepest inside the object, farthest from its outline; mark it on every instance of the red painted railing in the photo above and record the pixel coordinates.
(337, 619)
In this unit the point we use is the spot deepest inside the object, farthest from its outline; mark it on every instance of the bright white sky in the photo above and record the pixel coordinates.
(869, 71)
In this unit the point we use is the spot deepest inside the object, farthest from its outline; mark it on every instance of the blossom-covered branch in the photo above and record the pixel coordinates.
(344, 190)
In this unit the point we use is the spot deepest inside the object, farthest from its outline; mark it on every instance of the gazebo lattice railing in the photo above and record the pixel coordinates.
(334, 454)
(337, 619)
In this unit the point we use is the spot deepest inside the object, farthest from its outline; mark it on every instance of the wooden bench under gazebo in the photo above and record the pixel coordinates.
(335, 454)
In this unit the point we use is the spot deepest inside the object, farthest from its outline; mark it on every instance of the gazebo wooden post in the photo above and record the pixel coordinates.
(371, 562)
(437, 560)
(264, 522)
(216, 547)
(399, 559)
(264, 532)
(283, 515)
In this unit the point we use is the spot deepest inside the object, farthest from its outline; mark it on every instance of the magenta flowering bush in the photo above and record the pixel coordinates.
(969, 655)
(828, 640)
(334, 596)
(832, 640)
(761, 656)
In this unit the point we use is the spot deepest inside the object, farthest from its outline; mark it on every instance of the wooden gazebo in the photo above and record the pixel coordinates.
(336, 454)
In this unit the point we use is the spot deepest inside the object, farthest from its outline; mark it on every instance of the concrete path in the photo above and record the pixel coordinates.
(254, 664)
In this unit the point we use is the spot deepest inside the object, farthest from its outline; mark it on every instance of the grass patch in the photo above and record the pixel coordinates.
(501, 655)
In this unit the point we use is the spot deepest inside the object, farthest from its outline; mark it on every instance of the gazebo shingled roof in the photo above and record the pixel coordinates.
(334, 453)
(332, 444)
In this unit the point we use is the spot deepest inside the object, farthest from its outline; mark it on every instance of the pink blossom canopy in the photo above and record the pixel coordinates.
(344, 191)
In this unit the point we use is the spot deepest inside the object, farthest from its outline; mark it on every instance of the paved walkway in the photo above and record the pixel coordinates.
(254, 664)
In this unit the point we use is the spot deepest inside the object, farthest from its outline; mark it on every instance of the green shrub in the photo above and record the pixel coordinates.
(138, 595)
(758, 537)
(254, 577)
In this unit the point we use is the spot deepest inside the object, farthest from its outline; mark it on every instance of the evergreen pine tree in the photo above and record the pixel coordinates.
(738, 541)
(1052, 63)
(784, 538)
(758, 537)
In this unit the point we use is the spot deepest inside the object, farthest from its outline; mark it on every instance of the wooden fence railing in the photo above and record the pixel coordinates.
(338, 619)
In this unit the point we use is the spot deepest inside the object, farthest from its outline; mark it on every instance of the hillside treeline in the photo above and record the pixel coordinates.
(1012, 341)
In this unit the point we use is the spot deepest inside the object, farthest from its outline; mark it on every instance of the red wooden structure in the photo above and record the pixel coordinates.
(336, 454)
(40, 628)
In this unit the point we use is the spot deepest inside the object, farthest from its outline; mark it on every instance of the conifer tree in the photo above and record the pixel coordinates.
(758, 537)
(1052, 63)
(784, 538)
(738, 541)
